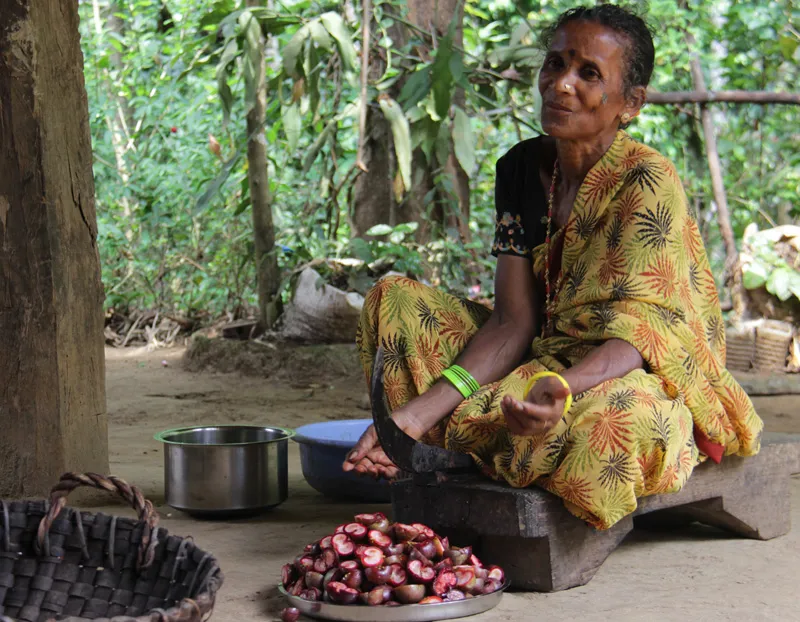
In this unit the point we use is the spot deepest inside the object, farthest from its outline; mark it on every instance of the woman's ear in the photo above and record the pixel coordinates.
(635, 100)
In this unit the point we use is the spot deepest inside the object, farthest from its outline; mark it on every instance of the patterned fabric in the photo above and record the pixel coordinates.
(509, 236)
(634, 269)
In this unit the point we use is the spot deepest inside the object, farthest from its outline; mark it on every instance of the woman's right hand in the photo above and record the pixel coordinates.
(368, 458)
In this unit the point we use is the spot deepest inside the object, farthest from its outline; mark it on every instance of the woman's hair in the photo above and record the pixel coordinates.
(639, 54)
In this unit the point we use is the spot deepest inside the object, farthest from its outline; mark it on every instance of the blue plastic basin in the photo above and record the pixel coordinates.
(323, 447)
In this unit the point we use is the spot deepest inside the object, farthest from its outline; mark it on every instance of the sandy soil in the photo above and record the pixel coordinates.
(700, 573)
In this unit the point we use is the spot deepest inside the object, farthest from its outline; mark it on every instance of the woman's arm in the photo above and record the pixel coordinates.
(614, 359)
(493, 351)
(498, 346)
(544, 406)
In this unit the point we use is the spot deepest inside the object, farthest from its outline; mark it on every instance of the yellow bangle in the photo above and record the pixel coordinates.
(550, 374)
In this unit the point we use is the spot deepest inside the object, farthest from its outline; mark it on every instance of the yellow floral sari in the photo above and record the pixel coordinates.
(634, 268)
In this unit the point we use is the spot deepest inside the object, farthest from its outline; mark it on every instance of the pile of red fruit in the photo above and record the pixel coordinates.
(375, 562)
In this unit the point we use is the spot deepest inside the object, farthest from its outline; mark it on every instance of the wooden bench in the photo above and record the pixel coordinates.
(543, 547)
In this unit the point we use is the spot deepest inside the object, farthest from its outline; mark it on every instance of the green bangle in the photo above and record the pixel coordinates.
(461, 380)
(457, 382)
(466, 377)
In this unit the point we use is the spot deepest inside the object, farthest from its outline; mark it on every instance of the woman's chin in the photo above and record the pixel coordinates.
(557, 128)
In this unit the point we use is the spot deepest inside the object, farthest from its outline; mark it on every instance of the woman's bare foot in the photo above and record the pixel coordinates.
(368, 458)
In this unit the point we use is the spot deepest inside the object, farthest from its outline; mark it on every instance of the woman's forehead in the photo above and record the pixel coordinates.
(588, 41)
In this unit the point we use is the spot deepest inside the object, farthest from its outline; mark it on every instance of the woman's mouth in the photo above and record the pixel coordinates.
(557, 107)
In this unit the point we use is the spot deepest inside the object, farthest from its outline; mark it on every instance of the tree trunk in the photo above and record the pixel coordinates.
(267, 272)
(52, 397)
(374, 201)
(717, 183)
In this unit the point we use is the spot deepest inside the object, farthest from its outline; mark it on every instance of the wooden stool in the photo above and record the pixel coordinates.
(542, 547)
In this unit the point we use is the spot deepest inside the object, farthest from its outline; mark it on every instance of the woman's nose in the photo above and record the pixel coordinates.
(565, 84)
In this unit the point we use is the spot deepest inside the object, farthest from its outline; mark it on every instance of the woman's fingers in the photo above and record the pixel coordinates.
(524, 418)
(389, 472)
(364, 445)
(379, 457)
(364, 465)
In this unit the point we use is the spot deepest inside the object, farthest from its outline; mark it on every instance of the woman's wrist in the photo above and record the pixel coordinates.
(431, 407)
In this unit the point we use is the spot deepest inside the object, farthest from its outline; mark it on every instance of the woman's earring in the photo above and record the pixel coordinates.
(625, 117)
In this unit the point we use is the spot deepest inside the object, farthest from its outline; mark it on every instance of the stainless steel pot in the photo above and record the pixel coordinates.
(225, 470)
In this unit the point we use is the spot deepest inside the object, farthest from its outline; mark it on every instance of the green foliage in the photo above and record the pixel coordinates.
(771, 264)
(173, 206)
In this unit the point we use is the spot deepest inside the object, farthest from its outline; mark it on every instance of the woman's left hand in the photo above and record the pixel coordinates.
(541, 410)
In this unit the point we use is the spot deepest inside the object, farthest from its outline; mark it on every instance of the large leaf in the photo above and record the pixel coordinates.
(401, 134)
(312, 83)
(216, 184)
(754, 276)
(779, 283)
(442, 78)
(229, 54)
(416, 88)
(291, 51)
(319, 142)
(317, 145)
(320, 35)
(442, 70)
(442, 144)
(335, 26)
(379, 230)
(788, 45)
(464, 141)
(292, 124)
(361, 249)
(252, 57)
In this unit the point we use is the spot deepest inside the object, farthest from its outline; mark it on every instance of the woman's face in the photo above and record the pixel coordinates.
(582, 82)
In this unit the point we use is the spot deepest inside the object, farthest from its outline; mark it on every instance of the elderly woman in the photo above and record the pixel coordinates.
(599, 373)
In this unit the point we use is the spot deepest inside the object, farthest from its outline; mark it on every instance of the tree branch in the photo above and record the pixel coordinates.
(366, 18)
(734, 97)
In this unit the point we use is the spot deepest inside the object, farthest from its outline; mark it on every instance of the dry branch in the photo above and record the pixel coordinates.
(733, 97)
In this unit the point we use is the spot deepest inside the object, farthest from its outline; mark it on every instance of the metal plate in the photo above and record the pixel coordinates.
(401, 613)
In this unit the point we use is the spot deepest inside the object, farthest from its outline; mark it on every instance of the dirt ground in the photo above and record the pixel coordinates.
(696, 574)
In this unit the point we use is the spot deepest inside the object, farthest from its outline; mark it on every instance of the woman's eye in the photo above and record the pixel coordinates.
(590, 74)
(554, 62)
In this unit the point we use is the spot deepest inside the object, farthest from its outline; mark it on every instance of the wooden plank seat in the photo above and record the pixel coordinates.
(543, 547)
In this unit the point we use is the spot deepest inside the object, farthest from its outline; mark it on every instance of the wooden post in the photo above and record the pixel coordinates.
(267, 272)
(52, 371)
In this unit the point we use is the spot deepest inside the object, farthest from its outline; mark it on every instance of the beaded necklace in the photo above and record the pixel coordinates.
(550, 297)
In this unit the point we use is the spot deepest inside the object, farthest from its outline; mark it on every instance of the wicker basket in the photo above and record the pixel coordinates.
(62, 564)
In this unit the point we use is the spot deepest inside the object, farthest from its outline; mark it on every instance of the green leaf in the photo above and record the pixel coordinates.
(216, 184)
(320, 35)
(252, 57)
(312, 83)
(464, 141)
(754, 276)
(361, 249)
(243, 205)
(292, 124)
(442, 78)
(335, 26)
(788, 45)
(442, 146)
(380, 230)
(779, 282)
(229, 54)
(407, 227)
(401, 134)
(416, 87)
(317, 145)
(442, 75)
(291, 51)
